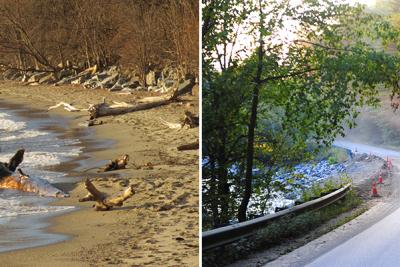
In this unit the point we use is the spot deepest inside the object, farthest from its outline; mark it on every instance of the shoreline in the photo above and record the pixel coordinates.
(130, 235)
(40, 234)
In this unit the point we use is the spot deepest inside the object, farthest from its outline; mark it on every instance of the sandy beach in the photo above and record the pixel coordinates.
(158, 226)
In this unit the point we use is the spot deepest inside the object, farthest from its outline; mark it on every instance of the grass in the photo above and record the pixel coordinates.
(287, 229)
(333, 155)
(347, 219)
(318, 190)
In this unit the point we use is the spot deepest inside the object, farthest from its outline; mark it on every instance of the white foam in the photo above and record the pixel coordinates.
(10, 125)
(23, 135)
(42, 149)
(34, 161)
(13, 207)
(44, 158)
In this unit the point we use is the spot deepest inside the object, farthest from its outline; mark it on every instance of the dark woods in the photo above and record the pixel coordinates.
(137, 35)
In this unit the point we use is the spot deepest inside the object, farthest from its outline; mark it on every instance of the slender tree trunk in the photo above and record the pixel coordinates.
(87, 53)
(61, 55)
(252, 125)
(223, 186)
(36, 64)
(213, 191)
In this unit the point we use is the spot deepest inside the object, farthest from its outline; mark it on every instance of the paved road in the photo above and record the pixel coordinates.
(379, 245)
(361, 148)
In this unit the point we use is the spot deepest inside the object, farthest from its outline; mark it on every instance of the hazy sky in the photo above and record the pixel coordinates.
(287, 35)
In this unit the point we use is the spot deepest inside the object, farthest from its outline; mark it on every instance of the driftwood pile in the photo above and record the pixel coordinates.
(105, 109)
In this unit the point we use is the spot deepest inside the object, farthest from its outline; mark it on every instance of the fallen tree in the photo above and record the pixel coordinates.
(104, 109)
(104, 202)
(117, 108)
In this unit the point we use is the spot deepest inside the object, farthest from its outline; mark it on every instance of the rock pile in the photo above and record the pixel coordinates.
(112, 79)
(303, 176)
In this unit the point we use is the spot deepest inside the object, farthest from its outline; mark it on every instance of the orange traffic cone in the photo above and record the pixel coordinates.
(380, 180)
(374, 191)
(388, 162)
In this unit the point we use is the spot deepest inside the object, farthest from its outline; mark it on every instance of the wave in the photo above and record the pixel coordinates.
(43, 149)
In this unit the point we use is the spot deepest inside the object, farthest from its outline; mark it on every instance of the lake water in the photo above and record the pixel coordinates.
(45, 149)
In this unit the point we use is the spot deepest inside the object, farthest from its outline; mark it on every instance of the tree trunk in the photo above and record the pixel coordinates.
(213, 192)
(223, 186)
(103, 109)
(61, 55)
(250, 136)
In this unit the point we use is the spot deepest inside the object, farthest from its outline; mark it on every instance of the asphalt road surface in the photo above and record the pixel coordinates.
(379, 245)
(376, 245)
(361, 148)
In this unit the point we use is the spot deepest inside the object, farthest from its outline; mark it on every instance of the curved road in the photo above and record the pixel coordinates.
(376, 245)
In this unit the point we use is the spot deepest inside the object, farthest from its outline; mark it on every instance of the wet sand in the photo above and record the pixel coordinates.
(158, 226)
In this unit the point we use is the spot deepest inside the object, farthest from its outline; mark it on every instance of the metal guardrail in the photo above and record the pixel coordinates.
(228, 234)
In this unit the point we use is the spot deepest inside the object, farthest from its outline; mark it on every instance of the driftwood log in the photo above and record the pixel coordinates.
(4, 170)
(117, 164)
(191, 146)
(104, 109)
(190, 120)
(117, 108)
(7, 169)
(22, 182)
(66, 106)
(104, 202)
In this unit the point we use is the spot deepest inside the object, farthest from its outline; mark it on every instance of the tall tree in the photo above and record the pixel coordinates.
(315, 64)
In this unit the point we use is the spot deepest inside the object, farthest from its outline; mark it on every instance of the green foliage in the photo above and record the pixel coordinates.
(321, 189)
(332, 160)
(288, 228)
(313, 83)
(332, 154)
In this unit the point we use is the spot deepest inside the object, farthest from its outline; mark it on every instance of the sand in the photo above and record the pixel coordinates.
(158, 226)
